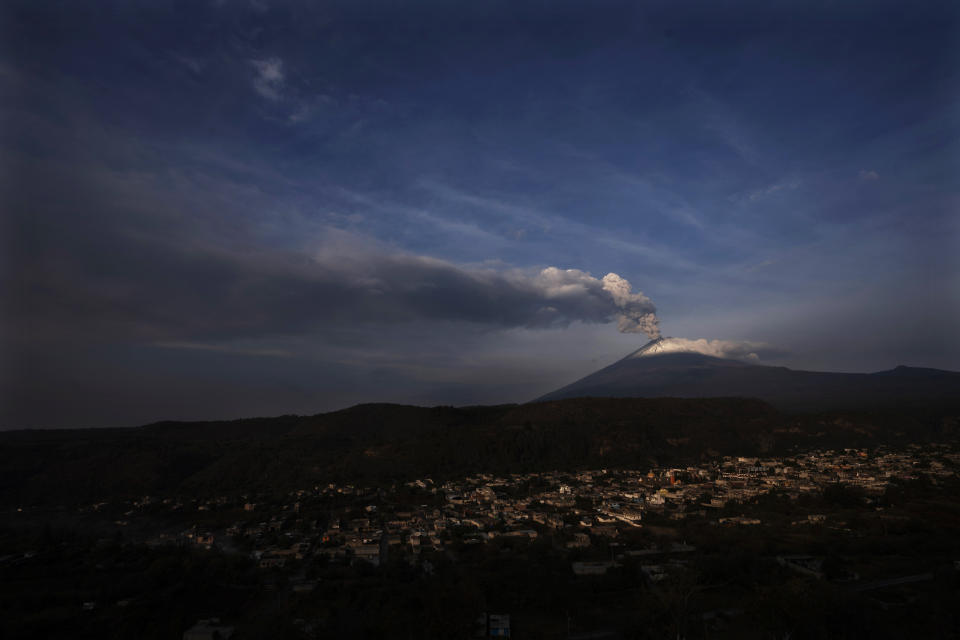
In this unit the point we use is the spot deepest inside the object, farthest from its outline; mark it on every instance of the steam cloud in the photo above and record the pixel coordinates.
(406, 287)
(571, 294)
(731, 349)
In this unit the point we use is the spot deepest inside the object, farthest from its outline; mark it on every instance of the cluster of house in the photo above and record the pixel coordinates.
(348, 522)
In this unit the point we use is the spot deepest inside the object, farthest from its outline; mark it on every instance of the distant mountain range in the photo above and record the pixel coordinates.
(660, 369)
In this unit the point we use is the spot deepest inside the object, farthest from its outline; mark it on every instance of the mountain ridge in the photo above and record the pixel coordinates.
(687, 374)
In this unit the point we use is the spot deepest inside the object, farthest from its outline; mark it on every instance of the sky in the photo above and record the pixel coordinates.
(220, 209)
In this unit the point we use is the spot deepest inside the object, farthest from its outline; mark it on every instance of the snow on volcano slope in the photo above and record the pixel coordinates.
(682, 368)
(727, 349)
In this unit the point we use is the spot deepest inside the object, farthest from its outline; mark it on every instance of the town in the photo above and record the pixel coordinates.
(589, 537)
(348, 522)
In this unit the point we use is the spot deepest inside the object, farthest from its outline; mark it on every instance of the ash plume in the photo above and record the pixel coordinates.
(577, 295)
(637, 315)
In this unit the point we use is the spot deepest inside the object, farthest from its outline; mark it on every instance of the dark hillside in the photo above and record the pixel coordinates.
(382, 442)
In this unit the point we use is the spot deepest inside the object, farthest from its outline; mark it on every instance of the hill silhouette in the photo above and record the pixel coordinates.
(382, 442)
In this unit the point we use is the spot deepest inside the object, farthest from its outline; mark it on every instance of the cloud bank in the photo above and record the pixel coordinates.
(171, 294)
(400, 287)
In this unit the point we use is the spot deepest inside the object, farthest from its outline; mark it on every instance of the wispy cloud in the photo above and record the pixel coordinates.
(224, 348)
(533, 219)
(760, 265)
(499, 207)
(193, 64)
(269, 78)
(660, 199)
(727, 126)
(769, 190)
(866, 175)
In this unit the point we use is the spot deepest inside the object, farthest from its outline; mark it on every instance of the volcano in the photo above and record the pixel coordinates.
(671, 367)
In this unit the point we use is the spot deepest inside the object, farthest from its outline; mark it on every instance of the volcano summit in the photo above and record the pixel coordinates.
(682, 368)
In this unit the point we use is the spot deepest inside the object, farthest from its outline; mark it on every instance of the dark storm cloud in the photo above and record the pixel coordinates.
(164, 293)
(138, 254)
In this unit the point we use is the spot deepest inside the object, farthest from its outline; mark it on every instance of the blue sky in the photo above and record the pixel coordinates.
(218, 209)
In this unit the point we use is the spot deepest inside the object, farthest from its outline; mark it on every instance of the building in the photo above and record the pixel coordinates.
(368, 552)
(591, 568)
(210, 629)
